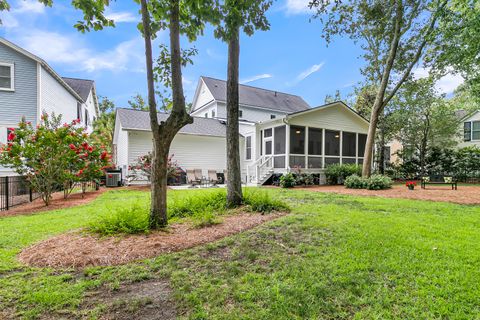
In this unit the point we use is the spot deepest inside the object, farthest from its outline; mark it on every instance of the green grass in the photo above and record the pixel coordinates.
(334, 257)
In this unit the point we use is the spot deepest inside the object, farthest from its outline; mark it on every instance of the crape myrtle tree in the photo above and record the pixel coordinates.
(179, 17)
(237, 16)
(393, 35)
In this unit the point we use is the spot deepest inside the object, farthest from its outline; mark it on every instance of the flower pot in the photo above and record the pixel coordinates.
(411, 187)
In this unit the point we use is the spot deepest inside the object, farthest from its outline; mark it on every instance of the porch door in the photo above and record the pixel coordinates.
(268, 146)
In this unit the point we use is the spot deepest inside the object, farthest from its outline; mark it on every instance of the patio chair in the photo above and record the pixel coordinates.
(212, 177)
(198, 174)
(192, 179)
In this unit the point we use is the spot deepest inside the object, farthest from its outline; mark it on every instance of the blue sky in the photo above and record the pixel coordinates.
(290, 57)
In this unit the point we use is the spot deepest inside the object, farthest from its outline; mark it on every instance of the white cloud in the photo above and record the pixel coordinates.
(32, 6)
(72, 52)
(255, 78)
(297, 7)
(119, 17)
(309, 71)
(447, 84)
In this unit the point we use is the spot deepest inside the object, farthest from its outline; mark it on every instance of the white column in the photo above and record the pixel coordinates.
(306, 148)
(341, 146)
(287, 145)
(323, 148)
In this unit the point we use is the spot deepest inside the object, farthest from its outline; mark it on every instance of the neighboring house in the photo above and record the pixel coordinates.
(470, 129)
(29, 87)
(279, 132)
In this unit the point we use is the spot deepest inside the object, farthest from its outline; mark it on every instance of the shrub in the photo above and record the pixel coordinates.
(379, 182)
(337, 173)
(262, 202)
(196, 203)
(123, 221)
(287, 180)
(355, 182)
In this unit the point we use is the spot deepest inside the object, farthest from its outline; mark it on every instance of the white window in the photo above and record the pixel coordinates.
(213, 113)
(272, 116)
(6, 76)
(248, 148)
(206, 115)
(476, 130)
(240, 113)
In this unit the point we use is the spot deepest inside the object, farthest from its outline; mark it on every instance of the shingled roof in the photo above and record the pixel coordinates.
(140, 120)
(80, 86)
(257, 97)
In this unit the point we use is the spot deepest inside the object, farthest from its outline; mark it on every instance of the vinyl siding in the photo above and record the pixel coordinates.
(190, 151)
(335, 117)
(248, 113)
(55, 98)
(22, 101)
(122, 150)
(462, 144)
(204, 96)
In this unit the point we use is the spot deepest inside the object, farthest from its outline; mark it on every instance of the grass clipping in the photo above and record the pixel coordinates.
(201, 215)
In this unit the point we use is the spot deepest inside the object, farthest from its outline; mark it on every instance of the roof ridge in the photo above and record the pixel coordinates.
(160, 112)
(250, 86)
(78, 79)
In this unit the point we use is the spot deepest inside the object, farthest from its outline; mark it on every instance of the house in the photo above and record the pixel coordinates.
(279, 131)
(30, 87)
(470, 130)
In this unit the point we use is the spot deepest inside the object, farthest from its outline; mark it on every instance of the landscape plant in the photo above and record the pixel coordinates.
(355, 182)
(379, 182)
(287, 180)
(337, 173)
(143, 167)
(53, 156)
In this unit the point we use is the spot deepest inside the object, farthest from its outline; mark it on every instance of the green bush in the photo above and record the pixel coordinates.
(261, 201)
(355, 182)
(304, 179)
(123, 221)
(287, 180)
(196, 203)
(337, 173)
(379, 182)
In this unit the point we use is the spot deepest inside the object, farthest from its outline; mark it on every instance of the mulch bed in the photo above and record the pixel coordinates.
(58, 202)
(464, 194)
(79, 250)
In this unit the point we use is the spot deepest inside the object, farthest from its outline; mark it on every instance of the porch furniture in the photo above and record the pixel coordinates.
(192, 179)
(198, 174)
(439, 179)
(212, 177)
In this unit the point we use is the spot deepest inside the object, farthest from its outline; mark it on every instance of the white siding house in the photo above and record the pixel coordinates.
(279, 132)
(29, 87)
(470, 130)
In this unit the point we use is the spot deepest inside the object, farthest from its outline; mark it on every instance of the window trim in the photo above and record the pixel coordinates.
(12, 76)
(247, 148)
(473, 131)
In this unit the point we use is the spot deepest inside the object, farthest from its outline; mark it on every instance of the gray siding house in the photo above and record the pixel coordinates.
(30, 87)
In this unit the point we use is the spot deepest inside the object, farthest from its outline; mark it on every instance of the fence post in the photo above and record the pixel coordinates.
(7, 196)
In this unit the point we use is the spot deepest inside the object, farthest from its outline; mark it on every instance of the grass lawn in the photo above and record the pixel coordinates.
(334, 257)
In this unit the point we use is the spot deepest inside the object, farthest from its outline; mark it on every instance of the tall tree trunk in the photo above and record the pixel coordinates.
(379, 103)
(234, 182)
(164, 132)
(381, 155)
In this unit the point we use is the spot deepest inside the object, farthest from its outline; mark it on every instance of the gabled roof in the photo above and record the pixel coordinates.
(257, 97)
(131, 119)
(44, 64)
(343, 104)
(81, 86)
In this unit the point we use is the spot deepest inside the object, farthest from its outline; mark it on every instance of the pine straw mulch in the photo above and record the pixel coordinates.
(79, 250)
(58, 202)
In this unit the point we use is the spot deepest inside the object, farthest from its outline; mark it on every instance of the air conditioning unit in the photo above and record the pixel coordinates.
(113, 179)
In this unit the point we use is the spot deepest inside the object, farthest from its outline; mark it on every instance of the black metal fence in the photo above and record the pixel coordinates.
(15, 190)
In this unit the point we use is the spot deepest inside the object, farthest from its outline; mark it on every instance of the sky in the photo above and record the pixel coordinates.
(291, 57)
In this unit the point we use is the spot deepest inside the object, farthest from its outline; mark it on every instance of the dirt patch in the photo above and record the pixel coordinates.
(58, 202)
(464, 194)
(80, 250)
(150, 300)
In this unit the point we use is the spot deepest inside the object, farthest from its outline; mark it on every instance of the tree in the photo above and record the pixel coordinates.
(179, 17)
(138, 103)
(247, 15)
(104, 125)
(393, 35)
(329, 98)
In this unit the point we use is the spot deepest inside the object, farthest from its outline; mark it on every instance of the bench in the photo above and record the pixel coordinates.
(439, 179)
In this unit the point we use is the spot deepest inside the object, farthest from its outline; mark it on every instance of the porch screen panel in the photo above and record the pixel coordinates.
(362, 141)
(329, 161)
(279, 162)
(349, 144)
(248, 151)
(315, 162)
(280, 136)
(261, 142)
(297, 140)
(297, 161)
(314, 141)
(348, 160)
(267, 133)
(332, 143)
(268, 147)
